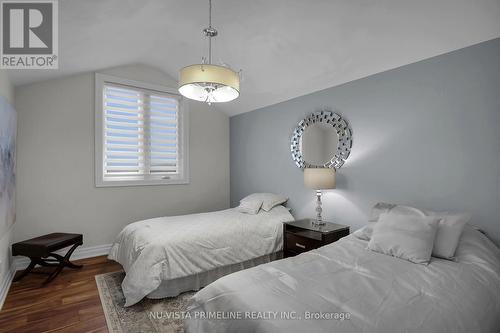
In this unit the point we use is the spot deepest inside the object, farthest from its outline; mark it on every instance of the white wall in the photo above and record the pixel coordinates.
(6, 88)
(7, 91)
(55, 163)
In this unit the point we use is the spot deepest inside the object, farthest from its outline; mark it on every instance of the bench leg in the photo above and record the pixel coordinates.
(63, 262)
(26, 271)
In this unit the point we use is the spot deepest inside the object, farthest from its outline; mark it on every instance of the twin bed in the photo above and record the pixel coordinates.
(165, 256)
(341, 287)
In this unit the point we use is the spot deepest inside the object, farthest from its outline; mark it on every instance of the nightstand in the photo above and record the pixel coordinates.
(302, 236)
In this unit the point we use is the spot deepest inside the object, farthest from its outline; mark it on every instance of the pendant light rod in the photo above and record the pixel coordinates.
(209, 13)
(210, 27)
(210, 32)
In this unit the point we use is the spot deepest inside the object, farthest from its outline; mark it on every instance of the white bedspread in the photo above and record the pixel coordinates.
(165, 248)
(381, 293)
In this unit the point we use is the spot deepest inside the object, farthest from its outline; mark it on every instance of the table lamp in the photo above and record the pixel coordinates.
(319, 179)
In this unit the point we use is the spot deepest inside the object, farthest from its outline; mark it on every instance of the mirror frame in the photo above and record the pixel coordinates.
(344, 144)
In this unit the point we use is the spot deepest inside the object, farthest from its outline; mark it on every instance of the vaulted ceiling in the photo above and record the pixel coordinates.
(286, 48)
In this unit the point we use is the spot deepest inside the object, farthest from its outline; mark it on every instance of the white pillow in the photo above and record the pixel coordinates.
(269, 200)
(405, 237)
(379, 208)
(449, 228)
(448, 234)
(364, 233)
(384, 207)
(249, 205)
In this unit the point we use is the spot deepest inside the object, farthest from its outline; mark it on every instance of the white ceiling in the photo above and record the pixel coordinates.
(286, 48)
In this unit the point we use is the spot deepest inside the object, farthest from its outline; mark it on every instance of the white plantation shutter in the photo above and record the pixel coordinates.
(141, 135)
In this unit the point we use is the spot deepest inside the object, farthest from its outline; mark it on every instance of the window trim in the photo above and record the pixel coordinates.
(100, 81)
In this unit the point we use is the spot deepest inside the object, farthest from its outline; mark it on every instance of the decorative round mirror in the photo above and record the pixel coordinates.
(322, 140)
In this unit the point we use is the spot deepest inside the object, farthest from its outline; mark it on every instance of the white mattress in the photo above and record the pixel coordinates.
(168, 248)
(380, 293)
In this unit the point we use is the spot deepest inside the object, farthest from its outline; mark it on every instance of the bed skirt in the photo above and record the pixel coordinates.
(174, 287)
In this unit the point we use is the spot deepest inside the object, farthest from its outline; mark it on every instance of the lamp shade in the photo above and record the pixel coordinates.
(319, 178)
(209, 83)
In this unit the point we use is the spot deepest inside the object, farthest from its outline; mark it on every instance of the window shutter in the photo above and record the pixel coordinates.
(141, 134)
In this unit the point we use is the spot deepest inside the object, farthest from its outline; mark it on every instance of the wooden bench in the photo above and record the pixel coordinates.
(39, 248)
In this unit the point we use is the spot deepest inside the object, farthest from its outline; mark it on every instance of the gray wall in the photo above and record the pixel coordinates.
(55, 163)
(426, 134)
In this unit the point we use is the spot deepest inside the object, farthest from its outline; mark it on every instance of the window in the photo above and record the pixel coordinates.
(140, 135)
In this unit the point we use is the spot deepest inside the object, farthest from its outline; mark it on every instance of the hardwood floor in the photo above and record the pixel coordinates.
(70, 303)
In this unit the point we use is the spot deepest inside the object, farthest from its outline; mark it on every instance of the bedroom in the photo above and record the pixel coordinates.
(409, 90)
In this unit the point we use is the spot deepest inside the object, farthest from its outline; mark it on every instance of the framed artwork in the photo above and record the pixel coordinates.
(8, 129)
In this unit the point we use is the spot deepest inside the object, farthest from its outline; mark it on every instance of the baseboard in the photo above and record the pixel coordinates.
(5, 284)
(80, 253)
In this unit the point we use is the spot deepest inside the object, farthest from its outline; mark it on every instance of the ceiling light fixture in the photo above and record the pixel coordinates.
(206, 82)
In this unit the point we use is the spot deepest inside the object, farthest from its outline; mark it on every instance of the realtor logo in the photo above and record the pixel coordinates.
(29, 33)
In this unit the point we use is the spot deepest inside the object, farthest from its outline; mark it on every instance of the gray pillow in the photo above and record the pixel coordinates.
(249, 206)
(269, 200)
(406, 237)
(379, 208)
(384, 207)
(364, 233)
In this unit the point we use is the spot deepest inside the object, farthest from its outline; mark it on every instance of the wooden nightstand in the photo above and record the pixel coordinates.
(302, 236)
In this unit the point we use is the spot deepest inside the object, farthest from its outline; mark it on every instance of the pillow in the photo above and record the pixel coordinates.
(406, 237)
(448, 234)
(383, 207)
(431, 213)
(269, 200)
(249, 206)
(379, 208)
(449, 228)
(364, 233)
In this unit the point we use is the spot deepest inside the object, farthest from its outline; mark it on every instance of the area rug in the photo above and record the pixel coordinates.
(162, 316)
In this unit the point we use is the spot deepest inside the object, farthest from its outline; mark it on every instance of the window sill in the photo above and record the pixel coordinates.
(122, 183)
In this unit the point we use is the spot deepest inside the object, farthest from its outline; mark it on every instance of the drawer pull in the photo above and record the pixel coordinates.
(300, 245)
